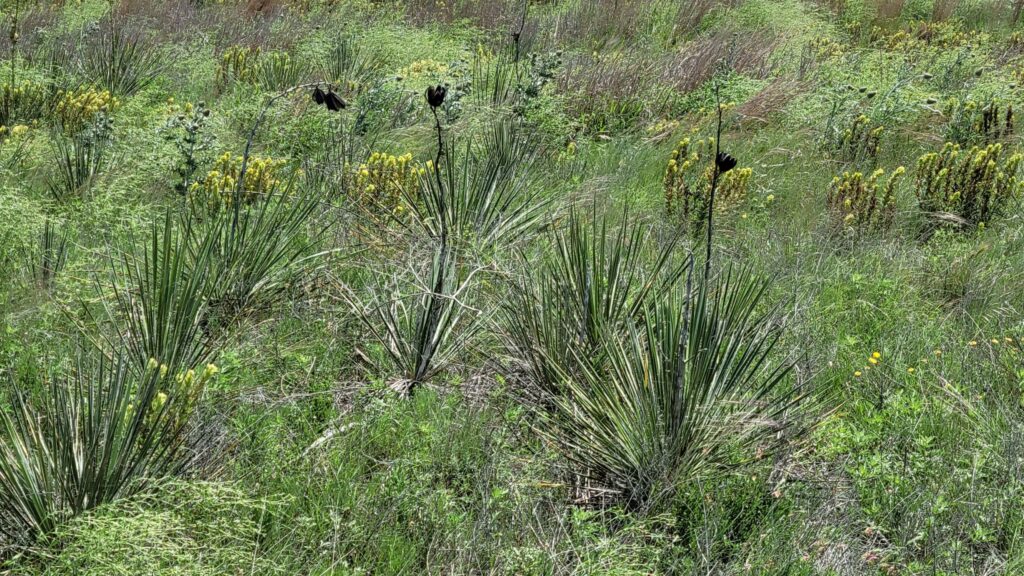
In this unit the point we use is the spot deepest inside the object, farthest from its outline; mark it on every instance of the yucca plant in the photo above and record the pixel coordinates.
(252, 249)
(350, 66)
(121, 60)
(423, 322)
(78, 160)
(51, 255)
(276, 71)
(484, 196)
(692, 375)
(102, 431)
(161, 308)
(594, 279)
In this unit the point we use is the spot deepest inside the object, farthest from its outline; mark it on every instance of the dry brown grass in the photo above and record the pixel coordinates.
(599, 24)
(944, 9)
(697, 61)
(771, 100)
(888, 9)
(492, 15)
(692, 13)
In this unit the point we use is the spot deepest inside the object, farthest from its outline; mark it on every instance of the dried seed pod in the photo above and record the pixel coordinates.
(435, 95)
(318, 95)
(724, 162)
(334, 102)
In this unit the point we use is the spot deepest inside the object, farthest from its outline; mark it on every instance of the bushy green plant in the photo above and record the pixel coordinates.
(187, 129)
(180, 528)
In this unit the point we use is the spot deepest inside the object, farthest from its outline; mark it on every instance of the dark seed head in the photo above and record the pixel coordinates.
(318, 95)
(435, 95)
(334, 102)
(724, 162)
(871, 94)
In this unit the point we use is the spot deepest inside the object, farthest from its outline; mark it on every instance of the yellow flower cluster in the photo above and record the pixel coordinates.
(687, 182)
(974, 185)
(217, 188)
(854, 203)
(238, 63)
(12, 133)
(26, 100)
(76, 108)
(825, 48)
(378, 183)
(916, 36)
(425, 70)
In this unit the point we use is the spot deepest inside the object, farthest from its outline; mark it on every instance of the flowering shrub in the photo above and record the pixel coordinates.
(76, 109)
(687, 182)
(377, 184)
(973, 185)
(217, 188)
(854, 202)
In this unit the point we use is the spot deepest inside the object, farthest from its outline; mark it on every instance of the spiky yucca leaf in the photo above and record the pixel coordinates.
(423, 331)
(255, 247)
(162, 302)
(593, 279)
(96, 434)
(484, 197)
(692, 375)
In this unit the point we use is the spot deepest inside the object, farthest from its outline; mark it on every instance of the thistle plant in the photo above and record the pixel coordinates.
(187, 129)
(968, 187)
(857, 204)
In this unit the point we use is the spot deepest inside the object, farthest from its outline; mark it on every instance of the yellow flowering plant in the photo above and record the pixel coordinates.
(687, 183)
(857, 203)
(969, 187)
(218, 188)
